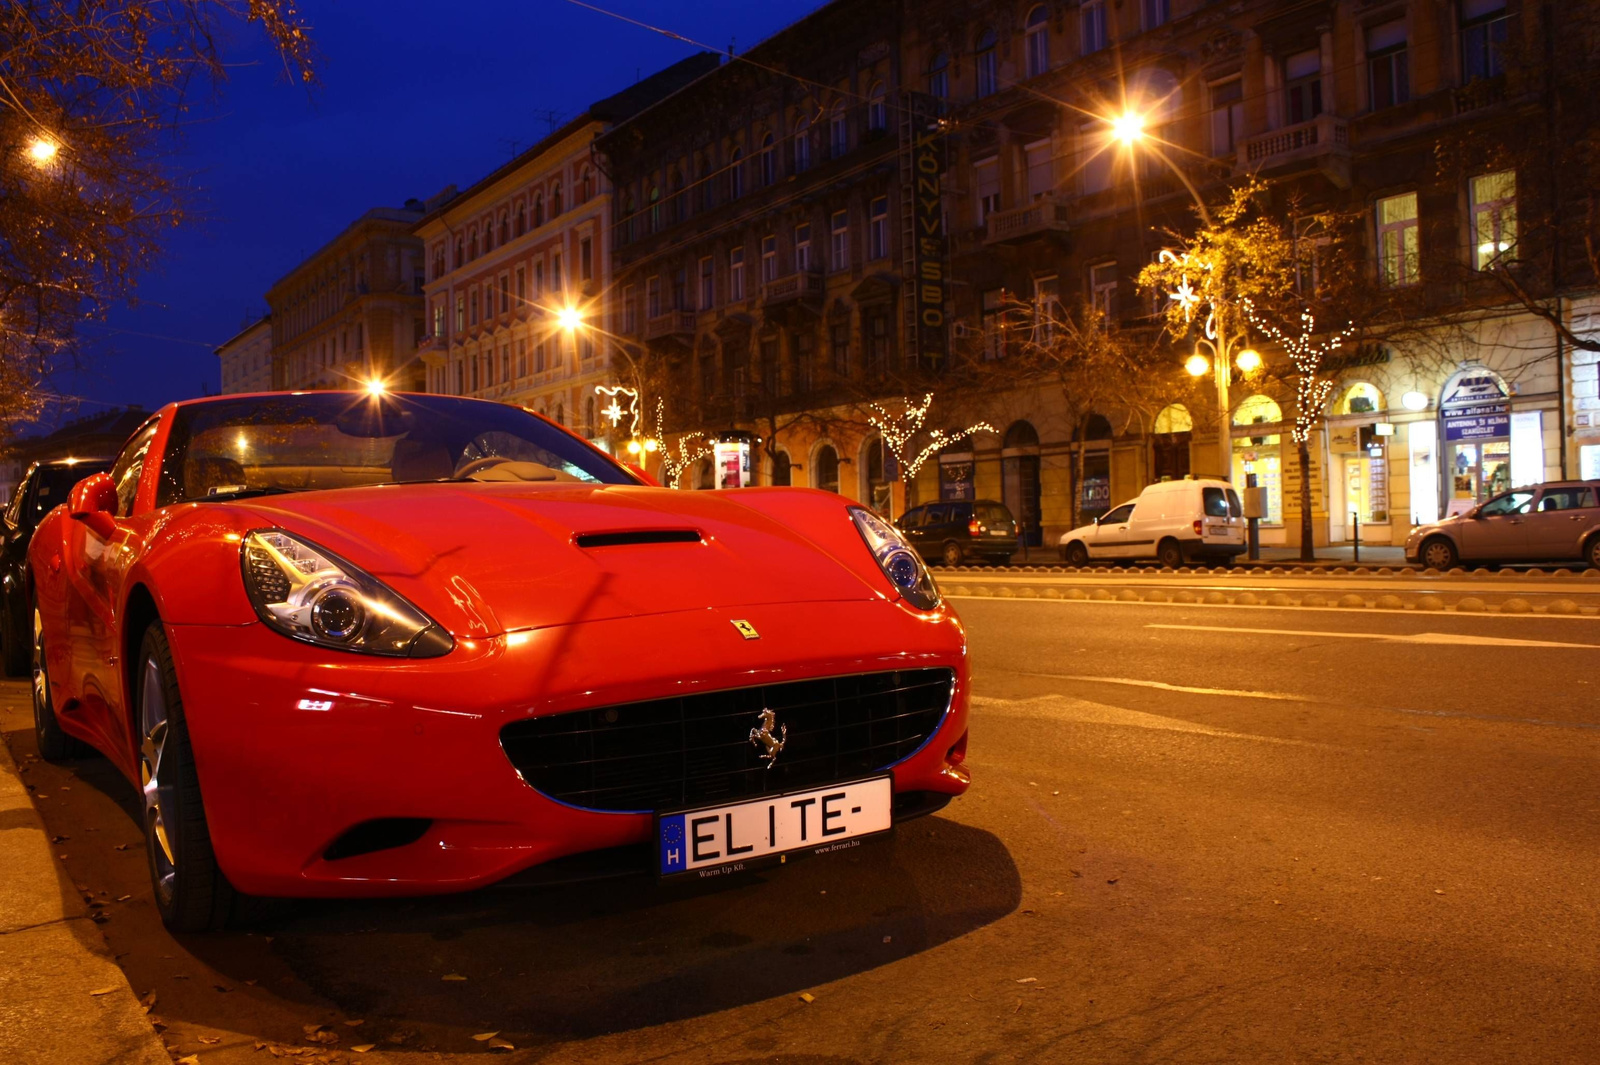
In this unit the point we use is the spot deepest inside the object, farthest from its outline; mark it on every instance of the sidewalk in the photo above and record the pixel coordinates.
(1343, 554)
(62, 998)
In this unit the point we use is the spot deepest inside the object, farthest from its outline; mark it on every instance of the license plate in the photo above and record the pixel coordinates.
(725, 839)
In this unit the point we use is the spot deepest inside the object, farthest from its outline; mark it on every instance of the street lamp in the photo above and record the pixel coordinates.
(569, 318)
(42, 151)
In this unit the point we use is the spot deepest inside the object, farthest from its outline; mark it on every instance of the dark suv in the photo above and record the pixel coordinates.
(956, 531)
(41, 488)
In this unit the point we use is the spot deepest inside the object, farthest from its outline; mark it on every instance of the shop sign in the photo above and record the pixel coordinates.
(733, 463)
(1482, 421)
(1096, 493)
(929, 248)
(1473, 387)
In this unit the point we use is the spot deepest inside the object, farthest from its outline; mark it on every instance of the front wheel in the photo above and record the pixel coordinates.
(1076, 554)
(54, 744)
(1593, 553)
(191, 893)
(1440, 554)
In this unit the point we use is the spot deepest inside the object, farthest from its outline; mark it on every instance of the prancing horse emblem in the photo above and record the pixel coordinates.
(763, 737)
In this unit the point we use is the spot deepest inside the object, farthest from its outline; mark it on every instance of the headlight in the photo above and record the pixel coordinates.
(897, 559)
(308, 594)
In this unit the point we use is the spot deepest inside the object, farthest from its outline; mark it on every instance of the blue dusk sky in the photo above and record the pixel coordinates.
(414, 96)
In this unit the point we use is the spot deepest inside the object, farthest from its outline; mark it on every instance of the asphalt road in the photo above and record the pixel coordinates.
(1195, 835)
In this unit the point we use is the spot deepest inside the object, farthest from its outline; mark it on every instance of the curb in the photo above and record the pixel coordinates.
(1284, 569)
(1391, 603)
(62, 997)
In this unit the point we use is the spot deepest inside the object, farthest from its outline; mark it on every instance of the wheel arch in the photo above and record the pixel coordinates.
(139, 609)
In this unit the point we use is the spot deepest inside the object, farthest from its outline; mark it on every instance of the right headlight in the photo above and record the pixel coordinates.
(309, 594)
(898, 560)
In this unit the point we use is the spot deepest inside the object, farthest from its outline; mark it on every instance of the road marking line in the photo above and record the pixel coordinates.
(1088, 712)
(1487, 615)
(1420, 637)
(1163, 686)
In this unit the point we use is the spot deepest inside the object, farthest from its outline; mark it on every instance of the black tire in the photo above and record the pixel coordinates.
(1169, 553)
(1075, 554)
(1438, 553)
(54, 744)
(191, 893)
(1592, 552)
(953, 555)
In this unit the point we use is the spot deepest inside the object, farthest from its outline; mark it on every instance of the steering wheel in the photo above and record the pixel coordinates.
(477, 464)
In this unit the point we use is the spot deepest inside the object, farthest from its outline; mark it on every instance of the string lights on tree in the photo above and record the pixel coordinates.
(1308, 354)
(689, 451)
(900, 433)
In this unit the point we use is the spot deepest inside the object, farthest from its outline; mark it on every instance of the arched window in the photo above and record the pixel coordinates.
(505, 227)
(538, 211)
(1038, 41)
(877, 110)
(1257, 410)
(488, 235)
(736, 174)
(802, 145)
(655, 208)
(1021, 435)
(1174, 419)
(838, 131)
(986, 65)
(585, 185)
(555, 200)
(1359, 398)
(1169, 443)
(769, 161)
(874, 486)
(675, 202)
(782, 471)
(1019, 479)
(461, 251)
(708, 187)
(520, 226)
(939, 77)
(472, 245)
(825, 469)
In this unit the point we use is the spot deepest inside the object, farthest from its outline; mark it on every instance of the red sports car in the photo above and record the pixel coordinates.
(359, 645)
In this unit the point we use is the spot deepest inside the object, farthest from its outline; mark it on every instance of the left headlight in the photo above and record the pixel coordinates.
(309, 594)
(897, 559)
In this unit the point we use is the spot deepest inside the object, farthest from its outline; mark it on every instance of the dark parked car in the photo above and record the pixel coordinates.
(41, 488)
(954, 532)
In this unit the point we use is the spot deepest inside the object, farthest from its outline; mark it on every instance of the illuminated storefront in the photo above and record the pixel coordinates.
(1262, 454)
(1475, 414)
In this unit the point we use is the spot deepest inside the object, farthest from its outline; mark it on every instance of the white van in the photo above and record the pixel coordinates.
(1173, 522)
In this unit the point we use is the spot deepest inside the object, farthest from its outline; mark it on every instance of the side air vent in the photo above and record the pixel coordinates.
(379, 835)
(638, 536)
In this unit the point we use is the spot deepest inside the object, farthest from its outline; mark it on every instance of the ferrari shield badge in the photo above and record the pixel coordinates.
(769, 736)
(747, 630)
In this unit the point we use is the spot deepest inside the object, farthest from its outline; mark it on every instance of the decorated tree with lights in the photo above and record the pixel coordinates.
(906, 437)
(91, 98)
(1258, 268)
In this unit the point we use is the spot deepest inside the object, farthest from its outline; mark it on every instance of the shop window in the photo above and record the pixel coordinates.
(1360, 398)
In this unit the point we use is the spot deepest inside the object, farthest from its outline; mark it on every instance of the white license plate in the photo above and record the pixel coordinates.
(723, 839)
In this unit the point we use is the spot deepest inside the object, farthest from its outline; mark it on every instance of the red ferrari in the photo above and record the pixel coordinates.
(356, 645)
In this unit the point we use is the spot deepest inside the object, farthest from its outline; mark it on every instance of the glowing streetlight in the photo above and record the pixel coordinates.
(1197, 365)
(1248, 360)
(569, 318)
(1127, 128)
(376, 387)
(42, 151)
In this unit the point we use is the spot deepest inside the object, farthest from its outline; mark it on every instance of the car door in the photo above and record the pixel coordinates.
(910, 525)
(1112, 536)
(1558, 519)
(1498, 530)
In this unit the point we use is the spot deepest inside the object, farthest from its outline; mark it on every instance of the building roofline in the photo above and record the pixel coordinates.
(265, 319)
(375, 214)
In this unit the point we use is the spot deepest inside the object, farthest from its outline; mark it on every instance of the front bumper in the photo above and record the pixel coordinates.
(295, 745)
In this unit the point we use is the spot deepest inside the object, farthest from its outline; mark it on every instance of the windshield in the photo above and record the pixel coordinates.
(299, 443)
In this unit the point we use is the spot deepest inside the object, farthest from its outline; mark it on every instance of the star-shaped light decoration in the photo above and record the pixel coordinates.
(614, 413)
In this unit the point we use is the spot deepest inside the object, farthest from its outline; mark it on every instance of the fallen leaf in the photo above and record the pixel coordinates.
(124, 898)
(102, 991)
(363, 1048)
(1438, 891)
(354, 1024)
(189, 1059)
(807, 997)
(452, 977)
(1029, 980)
(310, 1029)
(500, 1044)
(484, 1037)
(324, 1038)
(211, 1040)
(888, 939)
(59, 839)
(260, 1045)
(224, 988)
(123, 846)
(1113, 880)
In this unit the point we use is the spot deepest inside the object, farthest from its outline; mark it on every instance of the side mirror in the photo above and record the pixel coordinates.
(93, 501)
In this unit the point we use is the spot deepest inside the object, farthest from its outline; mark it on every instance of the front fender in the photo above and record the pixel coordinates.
(189, 564)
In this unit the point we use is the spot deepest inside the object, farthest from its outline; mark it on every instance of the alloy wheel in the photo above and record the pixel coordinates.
(159, 799)
(41, 678)
(1438, 555)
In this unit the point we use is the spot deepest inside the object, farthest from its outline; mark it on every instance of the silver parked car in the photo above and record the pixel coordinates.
(1554, 522)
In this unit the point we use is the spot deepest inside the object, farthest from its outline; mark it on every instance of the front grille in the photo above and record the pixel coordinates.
(696, 749)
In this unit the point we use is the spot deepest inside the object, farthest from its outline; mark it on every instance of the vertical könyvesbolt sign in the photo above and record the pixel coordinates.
(932, 340)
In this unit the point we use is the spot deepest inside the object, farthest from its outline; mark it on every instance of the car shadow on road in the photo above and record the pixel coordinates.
(571, 961)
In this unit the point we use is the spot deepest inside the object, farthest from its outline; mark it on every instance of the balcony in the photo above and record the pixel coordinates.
(1320, 144)
(1043, 216)
(793, 288)
(1480, 93)
(671, 324)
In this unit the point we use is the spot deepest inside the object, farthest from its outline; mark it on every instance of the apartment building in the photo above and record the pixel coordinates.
(351, 313)
(245, 359)
(519, 270)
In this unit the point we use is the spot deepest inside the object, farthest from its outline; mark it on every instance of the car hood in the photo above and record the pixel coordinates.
(1442, 525)
(1082, 530)
(483, 559)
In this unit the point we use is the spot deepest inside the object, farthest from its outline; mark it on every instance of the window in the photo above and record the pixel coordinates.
(1038, 41)
(736, 274)
(879, 340)
(505, 293)
(522, 285)
(1094, 159)
(839, 241)
(1311, 243)
(585, 186)
(802, 348)
(877, 112)
(438, 319)
(838, 131)
(1092, 25)
(1494, 217)
(1302, 86)
(461, 312)
(802, 248)
(555, 271)
(1041, 172)
(655, 208)
(505, 228)
(1156, 13)
(708, 373)
(769, 161)
(1227, 116)
(769, 259)
(708, 283)
(130, 466)
(1483, 34)
(839, 341)
(538, 277)
(1103, 291)
(538, 211)
(652, 298)
(802, 146)
(1388, 78)
(474, 317)
(538, 357)
(825, 469)
(555, 200)
(1397, 240)
(586, 259)
(769, 366)
(985, 62)
(1566, 499)
(736, 175)
(878, 229)
(1511, 503)
(939, 77)
(629, 323)
(680, 289)
(987, 172)
(521, 225)
(522, 358)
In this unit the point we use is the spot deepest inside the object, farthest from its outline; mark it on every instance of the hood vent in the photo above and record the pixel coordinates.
(638, 536)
